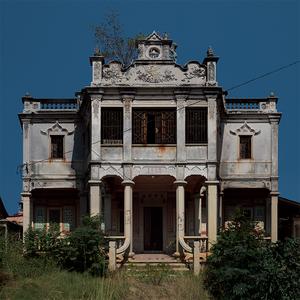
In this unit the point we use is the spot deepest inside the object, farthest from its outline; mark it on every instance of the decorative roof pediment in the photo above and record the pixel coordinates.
(57, 129)
(245, 129)
(143, 74)
(153, 37)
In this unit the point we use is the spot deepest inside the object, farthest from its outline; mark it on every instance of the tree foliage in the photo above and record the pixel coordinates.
(113, 43)
(243, 266)
(83, 250)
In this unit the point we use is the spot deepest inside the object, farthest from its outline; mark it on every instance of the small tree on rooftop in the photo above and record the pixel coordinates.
(114, 45)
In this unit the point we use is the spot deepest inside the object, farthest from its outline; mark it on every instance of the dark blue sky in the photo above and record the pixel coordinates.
(45, 46)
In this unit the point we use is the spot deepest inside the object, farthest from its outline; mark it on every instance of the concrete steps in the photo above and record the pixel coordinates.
(154, 263)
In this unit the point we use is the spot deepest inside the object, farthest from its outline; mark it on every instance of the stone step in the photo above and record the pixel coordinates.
(143, 266)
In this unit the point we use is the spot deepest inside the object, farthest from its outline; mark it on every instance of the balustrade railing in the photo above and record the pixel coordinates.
(203, 240)
(60, 104)
(243, 104)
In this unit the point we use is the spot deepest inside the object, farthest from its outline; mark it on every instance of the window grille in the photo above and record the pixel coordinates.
(196, 125)
(112, 125)
(154, 127)
(57, 146)
(245, 146)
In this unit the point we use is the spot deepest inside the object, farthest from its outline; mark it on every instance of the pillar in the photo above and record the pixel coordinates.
(127, 98)
(196, 257)
(274, 217)
(96, 127)
(128, 222)
(95, 198)
(27, 211)
(212, 210)
(181, 97)
(112, 264)
(179, 213)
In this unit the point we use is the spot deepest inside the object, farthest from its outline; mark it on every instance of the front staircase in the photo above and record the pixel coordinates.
(159, 260)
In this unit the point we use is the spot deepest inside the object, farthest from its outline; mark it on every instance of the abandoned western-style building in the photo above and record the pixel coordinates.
(155, 148)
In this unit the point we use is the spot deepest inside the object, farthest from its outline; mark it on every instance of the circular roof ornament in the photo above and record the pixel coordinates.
(154, 52)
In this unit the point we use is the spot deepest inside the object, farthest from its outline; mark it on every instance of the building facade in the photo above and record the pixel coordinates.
(155, 148)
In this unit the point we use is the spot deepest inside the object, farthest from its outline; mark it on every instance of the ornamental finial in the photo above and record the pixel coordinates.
(210, 52)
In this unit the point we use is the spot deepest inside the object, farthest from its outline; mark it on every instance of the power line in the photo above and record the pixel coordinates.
(263, 75)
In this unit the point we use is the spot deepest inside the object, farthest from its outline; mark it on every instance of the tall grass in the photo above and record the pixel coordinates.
(39, 278)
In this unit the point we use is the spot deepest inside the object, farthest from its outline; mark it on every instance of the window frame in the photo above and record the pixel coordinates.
(250, 137)
(63, 147)
(121, 127)
(205, 130)
(163, 126)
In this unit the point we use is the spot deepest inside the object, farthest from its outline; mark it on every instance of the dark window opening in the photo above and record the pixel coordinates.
(154, 126)
(57, 146)
(112, 125)
(54, 216)
(196, 125)
(245, 146)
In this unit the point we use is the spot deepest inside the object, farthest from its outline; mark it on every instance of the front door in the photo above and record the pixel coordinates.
(153, 228)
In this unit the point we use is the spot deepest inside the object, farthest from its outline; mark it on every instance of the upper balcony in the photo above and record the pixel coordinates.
(42, 105)
(263, 105)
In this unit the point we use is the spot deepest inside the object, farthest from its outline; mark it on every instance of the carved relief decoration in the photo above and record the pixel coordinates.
(245, 129)
(57, 129)
(172, 74)
(195, 170)
(111, 170)
(154, 170)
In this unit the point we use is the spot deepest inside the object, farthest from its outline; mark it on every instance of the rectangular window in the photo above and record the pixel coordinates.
(245, 146)
(196, 125)
(54, 216)
(112, 125)
(154, 126)
(57, 146)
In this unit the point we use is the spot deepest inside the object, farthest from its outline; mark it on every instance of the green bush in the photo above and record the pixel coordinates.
(83, 250)
(243, 266)
(38, 241)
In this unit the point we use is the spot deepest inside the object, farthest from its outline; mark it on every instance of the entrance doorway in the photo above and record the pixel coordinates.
(153, 228)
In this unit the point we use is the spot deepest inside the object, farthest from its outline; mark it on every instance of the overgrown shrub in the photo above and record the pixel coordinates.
(81, 250)
(84, 249)
(38, 241)
(243, 266)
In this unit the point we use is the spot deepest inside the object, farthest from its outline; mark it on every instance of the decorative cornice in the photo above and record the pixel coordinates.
(57, 128)
(245, 129)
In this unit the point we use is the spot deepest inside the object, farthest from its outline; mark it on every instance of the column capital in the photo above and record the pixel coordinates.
(94, 182)
(26, 194)
(212, 182)
(128, 182)
(180, 182)
(274, 193)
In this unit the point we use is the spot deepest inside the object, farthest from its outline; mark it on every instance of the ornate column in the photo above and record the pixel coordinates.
(212, 183)
(180, 231)
(274, 121)
(96, 126)
(27, 211)
(212, 210)
(95, 198)
(127, 98)
(181, 97)
(274, 216)
(128, 224)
